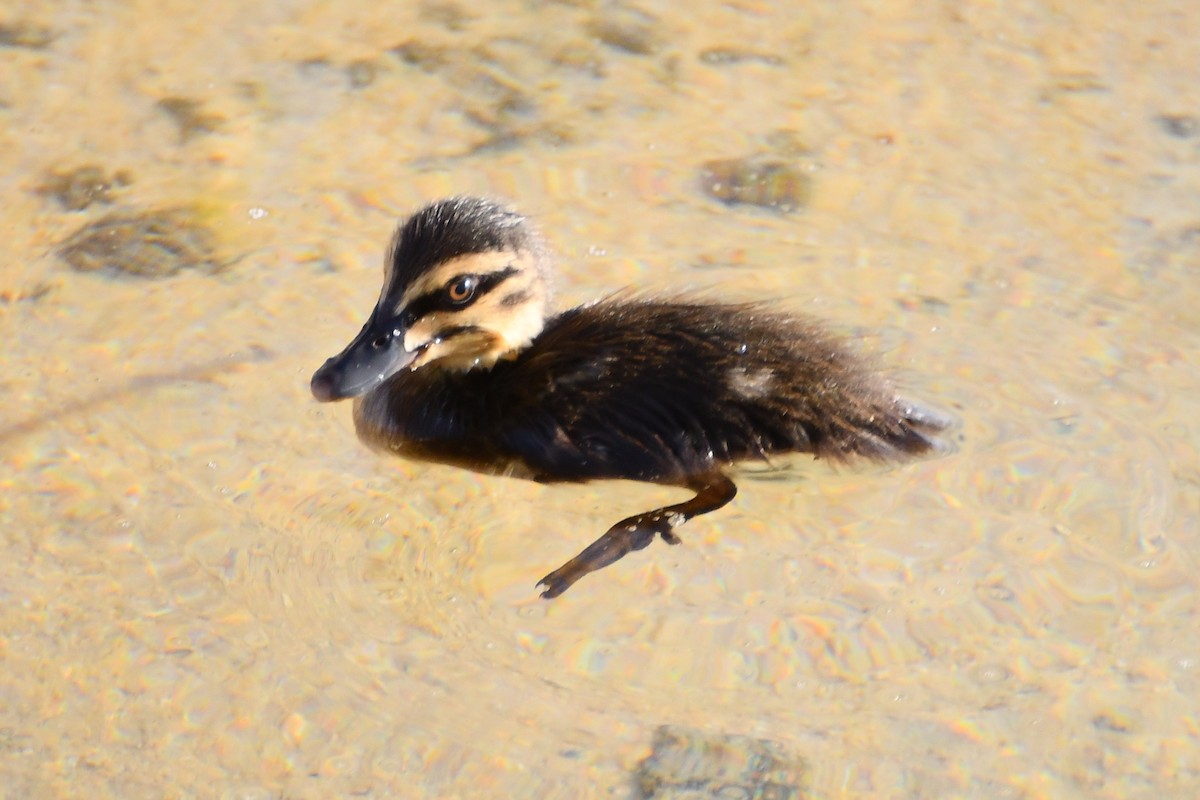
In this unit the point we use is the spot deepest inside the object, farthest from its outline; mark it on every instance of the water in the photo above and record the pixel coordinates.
(211, 589)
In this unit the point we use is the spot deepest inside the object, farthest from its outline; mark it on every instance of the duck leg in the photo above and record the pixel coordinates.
(713, 490)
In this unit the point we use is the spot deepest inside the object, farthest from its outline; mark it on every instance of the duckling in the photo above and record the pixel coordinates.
(459, 363)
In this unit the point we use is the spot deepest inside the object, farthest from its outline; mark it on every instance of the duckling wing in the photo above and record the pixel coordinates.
(658, 390)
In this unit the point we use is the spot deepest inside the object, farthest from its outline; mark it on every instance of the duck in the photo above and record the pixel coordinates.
(461, 363)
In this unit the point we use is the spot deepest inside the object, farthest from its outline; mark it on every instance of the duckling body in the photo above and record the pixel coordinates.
(459, 364)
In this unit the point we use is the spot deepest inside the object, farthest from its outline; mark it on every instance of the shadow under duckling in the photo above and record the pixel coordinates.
(459, 363)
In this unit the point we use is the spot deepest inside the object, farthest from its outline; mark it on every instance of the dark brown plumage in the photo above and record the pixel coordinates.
(458, 364)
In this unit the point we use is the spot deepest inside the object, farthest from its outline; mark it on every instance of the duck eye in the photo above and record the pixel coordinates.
(461, 289)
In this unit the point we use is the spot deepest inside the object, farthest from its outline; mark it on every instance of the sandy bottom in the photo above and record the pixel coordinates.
(210, 589)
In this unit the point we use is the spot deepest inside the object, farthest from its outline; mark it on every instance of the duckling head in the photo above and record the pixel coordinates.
(464, 285)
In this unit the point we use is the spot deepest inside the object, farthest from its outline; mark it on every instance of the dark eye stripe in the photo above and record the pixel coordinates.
(457, 330)
(438, 301)
(514, 299)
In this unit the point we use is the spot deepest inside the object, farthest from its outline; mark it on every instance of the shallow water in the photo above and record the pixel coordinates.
(211, 589)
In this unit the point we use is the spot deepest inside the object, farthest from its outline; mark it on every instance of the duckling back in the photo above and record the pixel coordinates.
(662, 388)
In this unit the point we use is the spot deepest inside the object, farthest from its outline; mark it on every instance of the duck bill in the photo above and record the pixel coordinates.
(375, 355)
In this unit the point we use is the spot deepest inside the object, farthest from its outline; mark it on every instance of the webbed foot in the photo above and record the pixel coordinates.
(633, 533)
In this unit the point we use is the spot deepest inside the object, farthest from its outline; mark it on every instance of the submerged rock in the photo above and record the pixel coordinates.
(78, 188)
(691, 764)
(154, 244)
(629, 30)
(1181, 126)
(28, 36)
(776, 185)
(190, 116)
